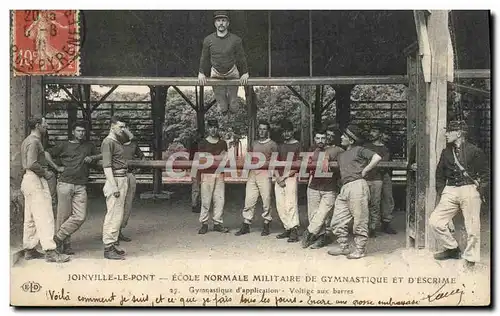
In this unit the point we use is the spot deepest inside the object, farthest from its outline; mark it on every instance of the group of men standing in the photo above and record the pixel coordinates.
(72, 161)
(332, 201)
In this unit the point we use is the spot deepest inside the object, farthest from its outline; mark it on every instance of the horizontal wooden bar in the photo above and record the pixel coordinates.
(376, 101)
(472, 74)
(262, 81)
(187, 164)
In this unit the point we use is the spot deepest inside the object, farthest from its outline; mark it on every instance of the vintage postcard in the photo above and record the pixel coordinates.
(250, 158)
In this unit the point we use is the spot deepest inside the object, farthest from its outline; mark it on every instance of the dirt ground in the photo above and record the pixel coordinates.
(169, 228)
(165, 242)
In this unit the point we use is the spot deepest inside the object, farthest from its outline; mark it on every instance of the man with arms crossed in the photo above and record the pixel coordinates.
(75, 155)
(224, 58)
(285, 187)
(115, 189)
(352, 202)
(38, 213)
(212, 184)
(259, 183)
(321, 192)
(461, 176)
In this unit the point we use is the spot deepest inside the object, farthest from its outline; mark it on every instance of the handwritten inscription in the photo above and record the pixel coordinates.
(441, 294)
(251, 295)
(62, 295)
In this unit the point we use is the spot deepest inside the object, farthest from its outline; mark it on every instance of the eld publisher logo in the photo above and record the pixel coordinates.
(31, 287)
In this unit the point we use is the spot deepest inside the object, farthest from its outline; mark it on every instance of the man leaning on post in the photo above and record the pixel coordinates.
(462, 175)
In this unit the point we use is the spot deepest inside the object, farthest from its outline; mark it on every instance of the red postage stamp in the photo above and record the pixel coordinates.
(46, 42)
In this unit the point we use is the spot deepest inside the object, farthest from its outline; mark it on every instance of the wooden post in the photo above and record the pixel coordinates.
(200, 113)
(88, 109)
(304, 121)
(158, 103)
(411, 92)
(435, 109)
(34, 95)
(318, 103)
(19, 112)
(343, 104)
(251, 100)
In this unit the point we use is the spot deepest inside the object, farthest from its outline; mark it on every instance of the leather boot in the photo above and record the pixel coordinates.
(67, 250)
(245, 229)
(320, 242)
(112, 254)
(203, 229)
(284, 234)
(30, 254)
(59, 244)
(360, 247)
(342, 249)
(294, 235)
(307, 239)
(54, 256)
(448, 254)
(356, 254)
(265, 230)
(386, 227)
(221, 229)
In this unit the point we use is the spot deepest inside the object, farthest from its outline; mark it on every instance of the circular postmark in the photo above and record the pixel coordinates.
(46, 42)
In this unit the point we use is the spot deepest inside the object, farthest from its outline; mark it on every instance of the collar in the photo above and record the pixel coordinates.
(264, 141)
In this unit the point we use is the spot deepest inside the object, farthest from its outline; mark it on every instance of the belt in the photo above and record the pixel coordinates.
(458, 183)
(120, 172)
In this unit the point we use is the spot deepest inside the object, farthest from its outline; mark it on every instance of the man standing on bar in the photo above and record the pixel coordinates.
(131, 151)
(76, 155)
(115, 189)
(38, 213)
(321, 192)
(462, 175)
(259, 183)
(212, 184)
(223, 57)
(285, 188)
(352, 202)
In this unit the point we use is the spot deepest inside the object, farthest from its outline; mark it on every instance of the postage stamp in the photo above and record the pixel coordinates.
(46, 42)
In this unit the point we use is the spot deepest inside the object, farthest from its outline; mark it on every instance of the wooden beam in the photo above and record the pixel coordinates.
(422, 151)
(158, 102)
(210, 104)
(88, 110)
(251, 100)
(412, 104)
(317, 107)
(104, 97)
(436, 107)
(298, 95)
(191, 104)
(471, 90)
(423, 43)
(327, 104)
(200, 112)
(269, 48)
(296, 165)
(472, 74)
(343, 115)
(72, 97)
(258, 81)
